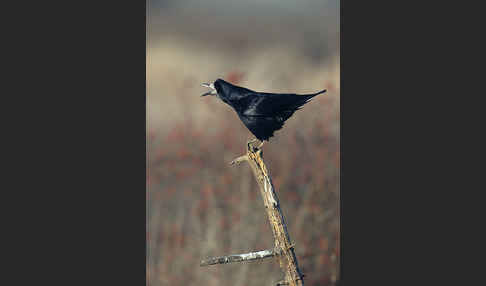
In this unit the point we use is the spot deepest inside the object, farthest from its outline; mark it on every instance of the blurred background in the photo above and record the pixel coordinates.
(199, 206)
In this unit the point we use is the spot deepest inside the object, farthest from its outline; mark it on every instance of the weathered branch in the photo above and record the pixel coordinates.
(283, 249)
(279, 228)
(238, 257)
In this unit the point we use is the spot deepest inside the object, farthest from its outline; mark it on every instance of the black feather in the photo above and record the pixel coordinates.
(262, 113)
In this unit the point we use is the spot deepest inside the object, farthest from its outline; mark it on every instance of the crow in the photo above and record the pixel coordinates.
(262, 113)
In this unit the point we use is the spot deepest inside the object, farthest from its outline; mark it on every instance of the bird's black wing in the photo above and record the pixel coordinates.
(267, 112)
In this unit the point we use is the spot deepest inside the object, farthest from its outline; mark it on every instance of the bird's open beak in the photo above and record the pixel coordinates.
(212, 92)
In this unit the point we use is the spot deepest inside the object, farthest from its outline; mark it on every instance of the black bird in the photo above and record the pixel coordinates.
(262, 113)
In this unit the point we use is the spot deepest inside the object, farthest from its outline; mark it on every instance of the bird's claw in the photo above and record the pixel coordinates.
(255, 147)
(250, 145)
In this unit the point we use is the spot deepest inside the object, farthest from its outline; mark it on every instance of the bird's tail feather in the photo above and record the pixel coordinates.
(310, 96)
(317, 93)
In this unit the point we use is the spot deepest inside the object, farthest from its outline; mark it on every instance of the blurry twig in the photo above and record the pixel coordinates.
(238, 160)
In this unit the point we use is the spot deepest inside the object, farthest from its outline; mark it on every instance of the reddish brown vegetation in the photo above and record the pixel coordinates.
(198, 206)
(235, 77)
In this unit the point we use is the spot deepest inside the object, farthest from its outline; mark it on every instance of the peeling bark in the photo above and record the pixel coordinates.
(238, 257)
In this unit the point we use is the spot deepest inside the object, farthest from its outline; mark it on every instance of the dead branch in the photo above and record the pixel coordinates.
(238, 257)
(283, 248)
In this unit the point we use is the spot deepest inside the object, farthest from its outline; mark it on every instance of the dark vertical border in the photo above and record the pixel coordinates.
(377, 215)
(114, 203)
(400, 187)
(81, 156)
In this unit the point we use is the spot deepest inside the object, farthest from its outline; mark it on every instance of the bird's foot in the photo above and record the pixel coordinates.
(253, 141)
(250, 141)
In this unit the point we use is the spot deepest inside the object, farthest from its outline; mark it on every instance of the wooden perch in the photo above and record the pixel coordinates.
(283, 248)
